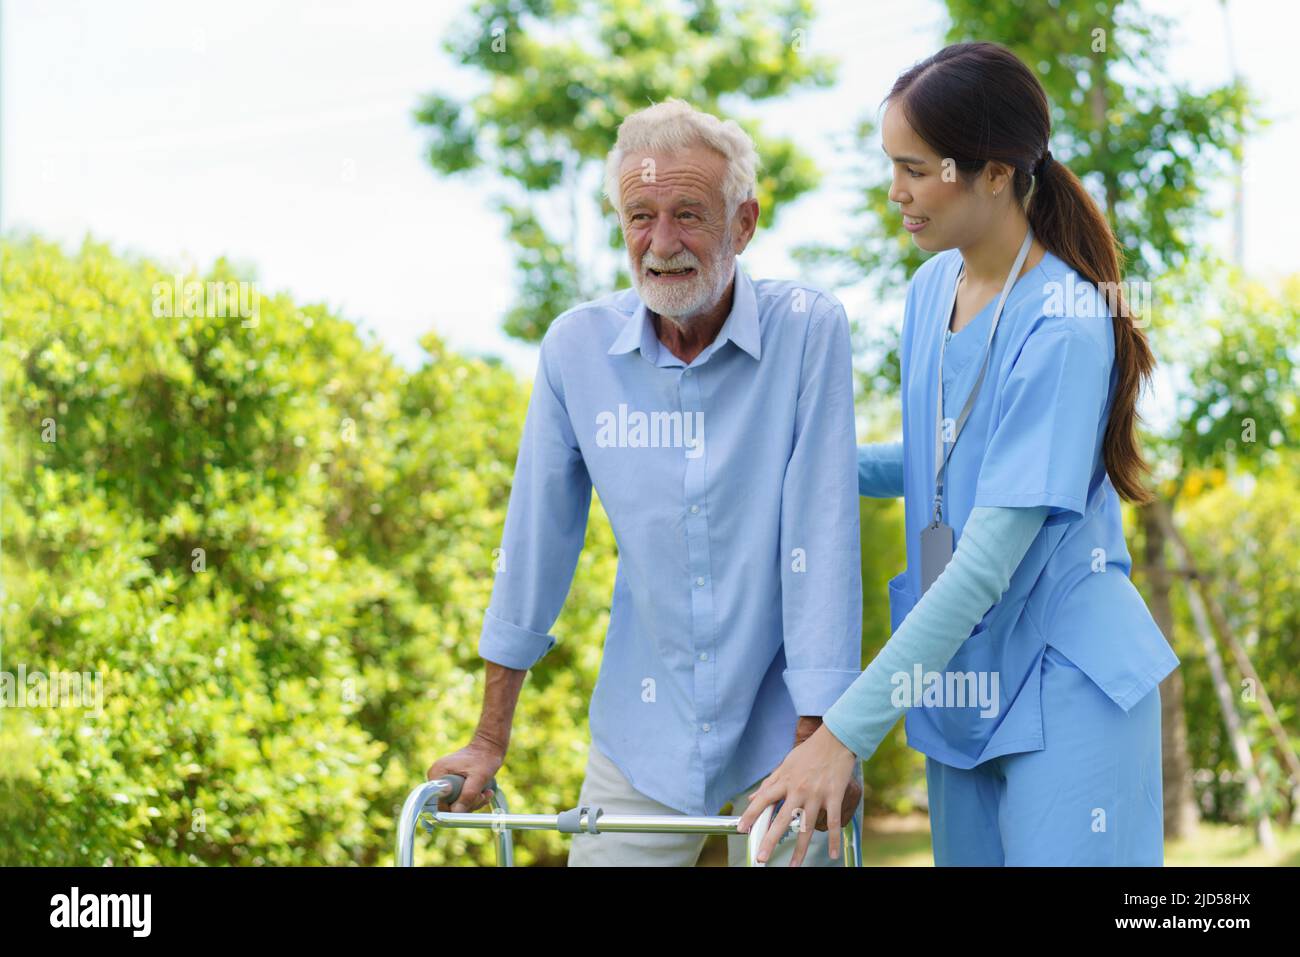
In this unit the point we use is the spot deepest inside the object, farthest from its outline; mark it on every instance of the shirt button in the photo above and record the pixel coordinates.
(705, 726)
(704, 656)
(687, 372)
(699, 581)
(695, 509)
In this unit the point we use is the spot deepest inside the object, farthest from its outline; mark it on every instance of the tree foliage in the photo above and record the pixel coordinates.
(1148, 147)
(272, 697)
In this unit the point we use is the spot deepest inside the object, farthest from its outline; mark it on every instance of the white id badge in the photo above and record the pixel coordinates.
(936, 552)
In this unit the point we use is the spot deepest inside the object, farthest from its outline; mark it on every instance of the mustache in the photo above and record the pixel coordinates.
(682, 260)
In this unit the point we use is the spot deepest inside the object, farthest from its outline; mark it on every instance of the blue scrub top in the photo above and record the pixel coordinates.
(1034, 437)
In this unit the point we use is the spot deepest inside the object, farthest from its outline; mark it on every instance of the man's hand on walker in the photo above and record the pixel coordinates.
(477, 762)
(817, 777)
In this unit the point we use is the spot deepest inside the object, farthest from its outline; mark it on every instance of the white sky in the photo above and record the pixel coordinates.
(280, 134)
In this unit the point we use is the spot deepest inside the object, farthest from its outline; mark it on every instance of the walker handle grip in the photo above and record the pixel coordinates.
(456, 782)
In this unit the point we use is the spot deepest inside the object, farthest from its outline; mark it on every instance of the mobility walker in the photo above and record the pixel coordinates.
(421, 807)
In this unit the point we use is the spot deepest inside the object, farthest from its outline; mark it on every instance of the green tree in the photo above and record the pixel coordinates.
(1226, 466)
(275, 548)
(1150, 147)
(1245, 540)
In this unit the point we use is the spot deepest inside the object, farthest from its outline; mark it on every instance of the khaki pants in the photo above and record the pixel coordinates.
(605, 787)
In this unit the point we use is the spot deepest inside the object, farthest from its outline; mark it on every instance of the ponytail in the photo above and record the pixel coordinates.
(1068, 222)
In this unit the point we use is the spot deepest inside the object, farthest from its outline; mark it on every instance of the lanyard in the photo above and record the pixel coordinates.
(941, 464)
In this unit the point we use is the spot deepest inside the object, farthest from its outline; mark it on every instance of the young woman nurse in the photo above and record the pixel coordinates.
(1026, 661)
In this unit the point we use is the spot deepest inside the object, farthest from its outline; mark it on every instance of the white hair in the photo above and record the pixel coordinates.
(675, 125)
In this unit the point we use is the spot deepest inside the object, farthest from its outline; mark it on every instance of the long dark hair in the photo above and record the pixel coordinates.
(976, 103)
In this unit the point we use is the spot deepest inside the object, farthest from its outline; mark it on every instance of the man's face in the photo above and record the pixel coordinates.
(681, 246)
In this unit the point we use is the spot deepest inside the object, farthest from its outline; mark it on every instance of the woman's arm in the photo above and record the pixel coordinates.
(993, 542)
(880, 470)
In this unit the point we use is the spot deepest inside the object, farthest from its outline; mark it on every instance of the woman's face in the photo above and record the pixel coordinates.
(939, 209)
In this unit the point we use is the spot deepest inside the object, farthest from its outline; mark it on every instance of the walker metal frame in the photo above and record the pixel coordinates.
(421, 807)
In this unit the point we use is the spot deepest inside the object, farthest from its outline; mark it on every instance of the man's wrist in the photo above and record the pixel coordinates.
(492, 741)
(805, 726)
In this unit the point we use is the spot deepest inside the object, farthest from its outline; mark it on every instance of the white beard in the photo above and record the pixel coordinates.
(682, 301)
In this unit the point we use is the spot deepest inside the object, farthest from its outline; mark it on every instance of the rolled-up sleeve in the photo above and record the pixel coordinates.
(821, 571)
(546, 522)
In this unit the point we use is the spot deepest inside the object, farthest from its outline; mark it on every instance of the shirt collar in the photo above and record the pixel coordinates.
(741, 326)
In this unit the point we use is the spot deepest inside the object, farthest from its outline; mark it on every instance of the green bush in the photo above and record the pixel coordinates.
(272, 697)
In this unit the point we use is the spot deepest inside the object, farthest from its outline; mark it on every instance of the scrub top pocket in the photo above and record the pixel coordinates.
(901, 600)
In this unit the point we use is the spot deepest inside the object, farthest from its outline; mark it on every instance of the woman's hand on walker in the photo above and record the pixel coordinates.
(816, 777)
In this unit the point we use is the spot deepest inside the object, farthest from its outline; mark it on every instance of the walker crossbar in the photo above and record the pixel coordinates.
(421, 807)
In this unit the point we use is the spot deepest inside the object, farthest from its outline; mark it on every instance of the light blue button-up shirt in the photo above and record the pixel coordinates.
(731, 487)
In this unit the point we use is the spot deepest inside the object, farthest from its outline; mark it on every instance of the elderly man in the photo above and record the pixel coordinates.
(713, 414)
